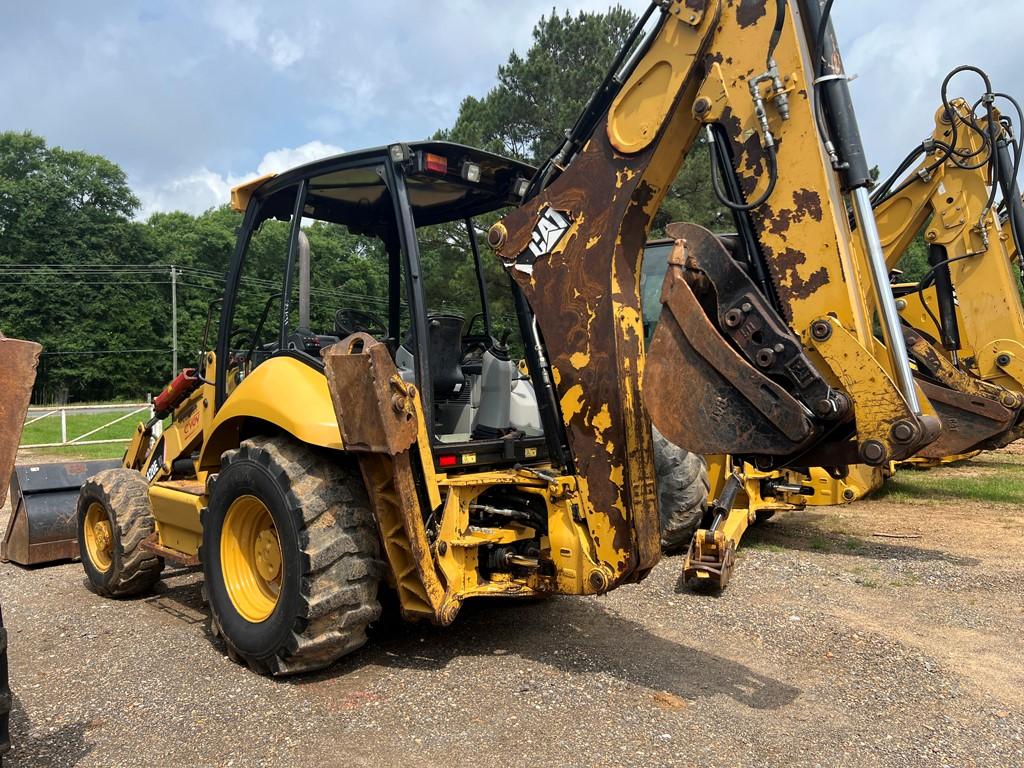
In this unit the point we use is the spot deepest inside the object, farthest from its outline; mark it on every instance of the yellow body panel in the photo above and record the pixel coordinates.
(284, 392)
(176, 513)
(241, 194)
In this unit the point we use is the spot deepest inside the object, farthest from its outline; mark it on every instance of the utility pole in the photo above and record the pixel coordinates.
(174, 322)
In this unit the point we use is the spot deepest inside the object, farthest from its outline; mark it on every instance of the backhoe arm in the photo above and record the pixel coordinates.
(823, 384)
(971, 304)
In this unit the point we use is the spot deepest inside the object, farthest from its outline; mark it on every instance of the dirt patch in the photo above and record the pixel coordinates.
(831, 646)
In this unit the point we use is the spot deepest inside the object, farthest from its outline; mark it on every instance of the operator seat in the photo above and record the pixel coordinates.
(444, 337)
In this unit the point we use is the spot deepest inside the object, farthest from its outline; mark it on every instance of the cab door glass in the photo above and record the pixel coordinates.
(256, 321)
(348, 288)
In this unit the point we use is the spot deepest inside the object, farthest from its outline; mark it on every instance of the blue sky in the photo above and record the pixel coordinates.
(190, 97)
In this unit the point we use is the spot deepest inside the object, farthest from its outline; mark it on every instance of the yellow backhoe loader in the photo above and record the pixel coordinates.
(330, 442)
(969, 302)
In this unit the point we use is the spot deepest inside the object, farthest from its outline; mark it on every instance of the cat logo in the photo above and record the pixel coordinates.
(551, 228)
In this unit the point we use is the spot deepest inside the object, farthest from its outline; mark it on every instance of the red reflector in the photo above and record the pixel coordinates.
(435, 163)
(448, 461)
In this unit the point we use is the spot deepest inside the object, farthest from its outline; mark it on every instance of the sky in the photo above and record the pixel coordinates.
(192, 97)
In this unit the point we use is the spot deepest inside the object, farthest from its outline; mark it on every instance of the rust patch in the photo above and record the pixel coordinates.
(791, 283)
(587, 299)
(696, 5)
(373, 405)
(749, 12)
(808, 201)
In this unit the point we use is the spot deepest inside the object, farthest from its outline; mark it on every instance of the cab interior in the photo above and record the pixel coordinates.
(409, 217)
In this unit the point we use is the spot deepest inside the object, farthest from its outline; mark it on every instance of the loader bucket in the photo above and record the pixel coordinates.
(969, 423)
(18, 360)
(44, 501)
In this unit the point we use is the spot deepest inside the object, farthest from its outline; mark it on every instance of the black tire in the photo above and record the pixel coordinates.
(329, 552)
(683, 485)
(123, 495)
(763, 516)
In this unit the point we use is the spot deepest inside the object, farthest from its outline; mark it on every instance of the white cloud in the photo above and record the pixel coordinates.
(238, 22)
(199, 190)
(283, 159)
(284, 51)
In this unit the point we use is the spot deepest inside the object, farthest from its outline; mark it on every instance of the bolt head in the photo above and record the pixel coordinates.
(873, 452)
(824, 407)
(902, 432)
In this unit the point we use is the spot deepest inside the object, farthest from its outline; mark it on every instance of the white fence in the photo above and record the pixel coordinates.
(62, 412)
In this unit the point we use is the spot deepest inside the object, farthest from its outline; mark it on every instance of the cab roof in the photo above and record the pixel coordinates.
(350, 188)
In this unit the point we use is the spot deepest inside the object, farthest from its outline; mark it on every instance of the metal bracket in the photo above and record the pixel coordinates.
(886, 427)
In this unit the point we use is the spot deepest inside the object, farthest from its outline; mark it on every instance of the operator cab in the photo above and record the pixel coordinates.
(385, 242)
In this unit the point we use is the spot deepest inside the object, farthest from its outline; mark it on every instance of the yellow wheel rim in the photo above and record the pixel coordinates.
(99, 537)
(250, 559)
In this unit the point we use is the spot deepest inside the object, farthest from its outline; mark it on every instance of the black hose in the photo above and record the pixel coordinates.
(925, 281)
(819, 40)
(780, 22)
(1019, 144)
(716, 179)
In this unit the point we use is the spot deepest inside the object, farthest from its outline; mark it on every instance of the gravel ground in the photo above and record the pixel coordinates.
(831, 646)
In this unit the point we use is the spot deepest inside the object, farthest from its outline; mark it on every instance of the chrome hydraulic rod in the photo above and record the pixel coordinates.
(889, 318)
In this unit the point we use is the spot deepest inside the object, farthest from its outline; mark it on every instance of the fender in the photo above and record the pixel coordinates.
(284, 392)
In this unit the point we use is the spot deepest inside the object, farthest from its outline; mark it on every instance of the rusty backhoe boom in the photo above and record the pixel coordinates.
(791, 372)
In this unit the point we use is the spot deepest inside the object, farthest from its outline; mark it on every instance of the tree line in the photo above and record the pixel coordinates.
(82, 276)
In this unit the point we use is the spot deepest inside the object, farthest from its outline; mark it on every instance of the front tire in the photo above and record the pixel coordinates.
(290, 557)
(683, 486)
(114, 518)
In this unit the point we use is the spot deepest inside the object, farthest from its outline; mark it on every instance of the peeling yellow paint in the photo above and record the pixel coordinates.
(579, 360)
(572, 402)
(603, 420)
(593, 241)
(617, 474)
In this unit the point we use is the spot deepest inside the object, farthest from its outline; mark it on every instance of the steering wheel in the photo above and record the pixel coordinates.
(238, 354)
(475, 344)
(246, 333)
(348, 321)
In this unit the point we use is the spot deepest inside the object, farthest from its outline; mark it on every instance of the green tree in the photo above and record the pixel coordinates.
(64, 222)
(540, 94)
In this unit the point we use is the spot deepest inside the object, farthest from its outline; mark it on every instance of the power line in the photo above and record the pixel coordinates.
(104, 352)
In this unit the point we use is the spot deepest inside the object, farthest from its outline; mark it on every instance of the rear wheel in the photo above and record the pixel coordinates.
(114, 518)
(290, 557)
(683, 486)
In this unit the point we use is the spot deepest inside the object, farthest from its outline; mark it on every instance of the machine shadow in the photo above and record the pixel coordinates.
(575, 635)
(61, 746)
(797, 534)
(571, 635)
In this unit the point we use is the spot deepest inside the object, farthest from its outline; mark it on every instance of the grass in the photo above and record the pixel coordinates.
(1004, 486)
(764, 546)
(48, 431)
